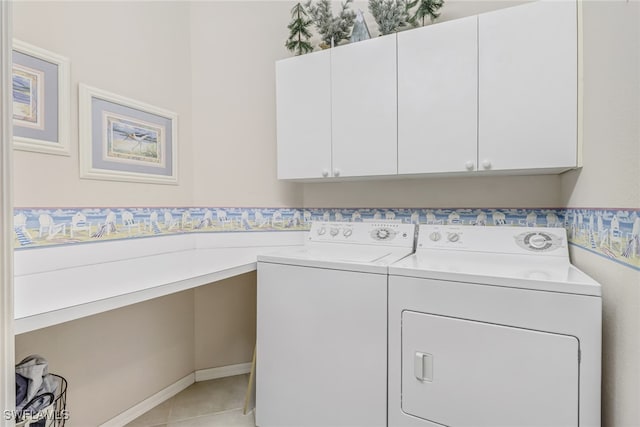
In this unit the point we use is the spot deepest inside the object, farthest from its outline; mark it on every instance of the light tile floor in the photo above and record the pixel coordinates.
(214, 403)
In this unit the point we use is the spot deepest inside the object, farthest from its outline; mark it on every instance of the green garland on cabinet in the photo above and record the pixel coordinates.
(390, 15)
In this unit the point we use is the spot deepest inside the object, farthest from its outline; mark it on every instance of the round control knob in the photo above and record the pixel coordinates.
(321, 231)
(453, 237)
(538, 241)
(382, 233)
(347, 232)
(469, 165)
(325, 173)
(334, 231)
(435, 236)
(486, 163)
(336, 172)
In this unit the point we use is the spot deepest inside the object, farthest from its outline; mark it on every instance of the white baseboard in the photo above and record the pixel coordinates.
(150, 403)
(222, 371)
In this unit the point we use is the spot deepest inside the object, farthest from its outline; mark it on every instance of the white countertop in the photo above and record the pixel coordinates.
(538, 273)
(67, 291)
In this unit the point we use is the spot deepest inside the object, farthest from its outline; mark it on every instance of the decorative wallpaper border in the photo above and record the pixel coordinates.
(612, 233)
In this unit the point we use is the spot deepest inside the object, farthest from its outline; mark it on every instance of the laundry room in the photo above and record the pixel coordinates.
(185, 142)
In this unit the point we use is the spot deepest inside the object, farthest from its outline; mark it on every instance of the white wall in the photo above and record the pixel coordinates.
(491, 192)
(611, 143)
(225, 322)
(234, 47)
(128, 48)
(609, 178)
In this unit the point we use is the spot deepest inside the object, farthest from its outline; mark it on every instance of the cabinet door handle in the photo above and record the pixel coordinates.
(486, 163)
(469, 165)
(336, 172)
(423, 366)
(325, 173)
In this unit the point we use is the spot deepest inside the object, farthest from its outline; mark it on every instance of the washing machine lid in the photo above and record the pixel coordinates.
(359, 258)
(353, 246)
(554, 274)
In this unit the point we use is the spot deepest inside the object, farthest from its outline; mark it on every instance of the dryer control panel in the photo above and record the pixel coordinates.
(506, 240)
(366, 233)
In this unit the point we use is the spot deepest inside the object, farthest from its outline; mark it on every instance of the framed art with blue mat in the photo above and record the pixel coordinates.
(40, 95)
(122, 139)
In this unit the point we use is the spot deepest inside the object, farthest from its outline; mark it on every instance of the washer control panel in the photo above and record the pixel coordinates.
(494, 239)
(372, 233)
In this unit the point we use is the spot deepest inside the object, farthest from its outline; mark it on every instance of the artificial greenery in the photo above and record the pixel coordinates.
(332, 29)
(390, 15)
(426, 8)
(298, 41)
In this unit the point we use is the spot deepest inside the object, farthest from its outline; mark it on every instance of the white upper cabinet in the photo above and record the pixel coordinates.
(437, 98)
(496, 92)
(303, 108)
(364, 108)
(528, 87)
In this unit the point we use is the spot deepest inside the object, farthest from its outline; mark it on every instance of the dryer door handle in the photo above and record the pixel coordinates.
(423, 366)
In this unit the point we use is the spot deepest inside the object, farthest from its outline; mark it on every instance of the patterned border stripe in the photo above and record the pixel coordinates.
(613, 233)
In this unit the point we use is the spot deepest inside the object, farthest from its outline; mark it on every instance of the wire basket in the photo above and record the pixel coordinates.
(53, 415)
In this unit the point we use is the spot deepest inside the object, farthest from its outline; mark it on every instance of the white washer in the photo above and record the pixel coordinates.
(492, 326)
(321, 355)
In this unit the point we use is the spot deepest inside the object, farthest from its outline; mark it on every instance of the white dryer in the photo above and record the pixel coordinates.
(321, 355)
(492, 326)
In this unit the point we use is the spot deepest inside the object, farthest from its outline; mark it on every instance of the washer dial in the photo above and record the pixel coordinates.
(383, 233)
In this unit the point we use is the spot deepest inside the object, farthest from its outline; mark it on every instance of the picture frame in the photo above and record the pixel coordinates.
(122, 139)
(41, 95)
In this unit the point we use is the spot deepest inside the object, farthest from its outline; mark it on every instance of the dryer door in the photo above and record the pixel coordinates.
(465, 373)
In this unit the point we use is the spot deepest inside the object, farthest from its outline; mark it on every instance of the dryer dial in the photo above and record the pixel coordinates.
(538, 241)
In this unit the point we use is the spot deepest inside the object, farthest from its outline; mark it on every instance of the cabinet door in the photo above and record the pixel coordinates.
(364, 108)
(303, 108)
(528, 86)
(437, 97)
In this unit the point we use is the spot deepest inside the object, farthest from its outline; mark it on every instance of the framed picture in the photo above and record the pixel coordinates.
(126, 140)
(40, 100)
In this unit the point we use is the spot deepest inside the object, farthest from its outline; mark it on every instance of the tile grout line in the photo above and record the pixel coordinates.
(211, 414)
(172, 401)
